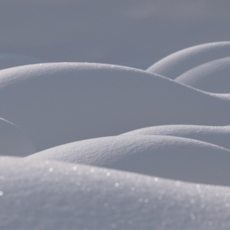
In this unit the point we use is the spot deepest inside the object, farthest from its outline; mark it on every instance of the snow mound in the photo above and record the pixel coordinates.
(13, 140)
(177, 63)
(49, 195)
(164, 156)
(218, 135)
(213, 76)
(58, 103)
(12, 60)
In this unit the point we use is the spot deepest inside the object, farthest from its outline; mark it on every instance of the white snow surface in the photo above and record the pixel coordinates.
(47, 195)
(62, 105)
(213, 76)
(57, 103)
(163, 156)
(218, 135)
(179, 62)
(14, 141)
(11, 60)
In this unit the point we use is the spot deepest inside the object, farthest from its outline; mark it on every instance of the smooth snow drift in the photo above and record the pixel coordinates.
(58, 103)
(12, 60)
(47, 195)
(95, 114)
(14, 141)
(164, 156)
(177, 63)
(213, 76)
(218, 135)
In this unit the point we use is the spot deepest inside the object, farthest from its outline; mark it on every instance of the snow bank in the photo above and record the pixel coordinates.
(48, 195)
(58, 103)
(213, 76)
(177, 63)
(12, 60)
(14, 141)
(163, 156)
(218, 135)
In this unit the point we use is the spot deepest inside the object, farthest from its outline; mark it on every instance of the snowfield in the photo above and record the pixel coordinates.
(57, 103)
(49, 195)
(98, 146)
(115, 117)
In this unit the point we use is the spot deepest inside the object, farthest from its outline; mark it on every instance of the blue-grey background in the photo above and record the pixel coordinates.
(127, 32)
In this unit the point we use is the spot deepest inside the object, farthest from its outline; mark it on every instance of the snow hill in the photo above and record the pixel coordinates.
(49, 195)
(162, 156)
(213, 76)
(218, 135)
(57, 103)
(177, 63)
(91, 143)
(91, 146)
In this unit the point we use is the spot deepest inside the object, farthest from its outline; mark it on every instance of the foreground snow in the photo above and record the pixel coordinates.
(177, 63)
(47, 195)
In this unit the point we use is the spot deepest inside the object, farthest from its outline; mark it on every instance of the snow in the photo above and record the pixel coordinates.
(48, 195)
(57, 103)
(163, 156)
(212, 76)
(218, 135)
(14, 141)
(177, 63)
(86, 145)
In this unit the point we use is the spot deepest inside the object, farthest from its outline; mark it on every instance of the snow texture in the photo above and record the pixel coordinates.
(14, 141)
(213, 76)
(48, 195)
(71, 112)
(163, 156)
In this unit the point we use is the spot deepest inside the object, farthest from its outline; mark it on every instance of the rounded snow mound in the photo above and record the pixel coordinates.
(13, 141)
(164, 156)
(181, 61)
(213, 76)
(218, 135)
(58, 103)
(12, 60)
(60, 196)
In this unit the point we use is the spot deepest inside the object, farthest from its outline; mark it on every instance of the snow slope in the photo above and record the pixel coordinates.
(163, 156)
(14, 141)
(58, 103)
(218, 135)
(181, 61)
(47, 195)
(213, 76)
